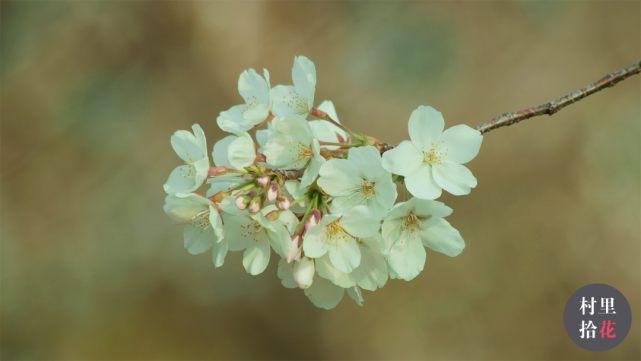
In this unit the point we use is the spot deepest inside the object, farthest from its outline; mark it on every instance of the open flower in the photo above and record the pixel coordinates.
(256, 94)
(203, 226)
(370, 274)
(432, 160)
(291, 144)
(192, 149)
(335, 235)
(256, 235)
(413, 224)
(297, 99)
(358, 180)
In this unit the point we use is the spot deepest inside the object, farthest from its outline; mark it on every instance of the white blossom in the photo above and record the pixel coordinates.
(297, 99)
(358, 180)
(192, 149)
(433, 160)
(413, 224)
(256, 94)
(203, 226)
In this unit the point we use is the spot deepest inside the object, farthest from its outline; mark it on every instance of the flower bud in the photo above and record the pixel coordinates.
(295, 248)
(218, 197)
(272, 192)
(262, 181)
(304, 272)
(313, 219)
(273, 215)
(255, 205)
(242, 202)
(283, 203)
(260, 157)
(214, 171)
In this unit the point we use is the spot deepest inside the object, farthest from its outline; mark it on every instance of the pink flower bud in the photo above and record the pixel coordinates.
(262, 181)
(283, 203)
(295, 249)
(214, 171)
(273, 215)
(242, 202)
(272, 192)
(255, 205)
(313, 219)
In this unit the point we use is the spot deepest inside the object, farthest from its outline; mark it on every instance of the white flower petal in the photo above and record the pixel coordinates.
(367, 162)
(200, 137)
(279, 238)
(238, 231)
(361, 221)
(253, 88)
(421, 183)
(326, 270)
(287, 101)
(220, 153)
(324, 294)
(216, 223)
(186, 146)
(345, 255)
(198, 239)
(356, 294)
(181, 209)
(314, 166)
(286, 274)
(241, 151)
(407, 256)
(461, 143)
(453, 177)
(338, 178)
(314, 243)
(231, 120)
(219, 251)
(261, 137)
(424, 207)
(372, 271)
(405, 159)
(181, 181)
(304, 76)
(441, 237)
(385, 192)
(256, 256)
(425, 127)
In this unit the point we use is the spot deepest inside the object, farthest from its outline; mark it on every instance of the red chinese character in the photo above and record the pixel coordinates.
(605, 332)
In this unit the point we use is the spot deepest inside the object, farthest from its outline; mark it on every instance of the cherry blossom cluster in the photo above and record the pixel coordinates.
(319, 195)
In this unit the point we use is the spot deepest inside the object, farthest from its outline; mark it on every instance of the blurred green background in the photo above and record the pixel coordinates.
(92, 269)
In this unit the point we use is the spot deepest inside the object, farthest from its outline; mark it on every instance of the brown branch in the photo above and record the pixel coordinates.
(514, 117)
(555, 105)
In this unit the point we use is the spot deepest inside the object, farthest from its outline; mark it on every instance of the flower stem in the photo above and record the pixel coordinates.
(322, 115)
(298, 200)
(341, 144)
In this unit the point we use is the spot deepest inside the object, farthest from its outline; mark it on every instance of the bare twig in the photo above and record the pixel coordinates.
(555, 105)
(514, 117)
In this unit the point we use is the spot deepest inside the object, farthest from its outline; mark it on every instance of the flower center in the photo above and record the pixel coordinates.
(367, 188)
(250, 103)
(303, 152)
(433, 154)
(412, 222)
(201, 220)
(252, 230)
(189, 165)
(296, 102)
(335, 233)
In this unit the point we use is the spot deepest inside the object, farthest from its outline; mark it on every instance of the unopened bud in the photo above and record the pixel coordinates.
(283, 203)
(262, 181)
(222, 170)
(255, 205)
(324, 152)
(273, 215)
(313, 219)
(218, 197)
(272, 192)
(242, 202)
(295, 248)
(304, 272)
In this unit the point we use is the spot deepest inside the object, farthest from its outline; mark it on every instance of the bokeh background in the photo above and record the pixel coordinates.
(92, 269)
